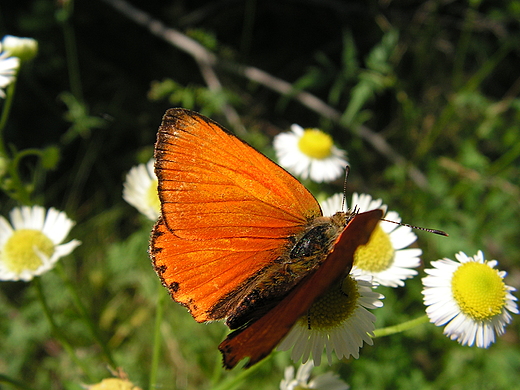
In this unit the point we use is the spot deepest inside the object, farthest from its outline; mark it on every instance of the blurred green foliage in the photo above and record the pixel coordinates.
(437, 80)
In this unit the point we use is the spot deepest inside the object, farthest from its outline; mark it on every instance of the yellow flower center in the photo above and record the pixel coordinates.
(152, 197)
(478, 290)
(377, 255)
(114, 384)
(315, 144)
(333, 307)
(21, 250)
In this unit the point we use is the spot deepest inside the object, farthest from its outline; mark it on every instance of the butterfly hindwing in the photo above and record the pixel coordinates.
(258, 339)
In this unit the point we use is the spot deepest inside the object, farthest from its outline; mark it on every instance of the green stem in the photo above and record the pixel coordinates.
(217, 366)
(56, 332)
(240, 379)
(8, 102)
(401, 327)
(157, 339)
(21, 192)
(94, 330)
(463, 45)
(72, 53)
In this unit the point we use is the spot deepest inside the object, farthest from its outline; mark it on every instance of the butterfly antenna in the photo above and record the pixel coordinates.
(434, 231)
(356, 210)
(347, 171)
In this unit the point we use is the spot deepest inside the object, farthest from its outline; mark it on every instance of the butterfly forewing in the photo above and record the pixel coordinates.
(228, 212)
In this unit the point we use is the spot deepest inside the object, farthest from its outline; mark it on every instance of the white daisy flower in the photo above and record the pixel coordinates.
(332, 205)
(337, 321)
(384, 257)
(470, 298)
(327, 381)
(8, 68)
(32, 245)
(140, 190)
(23, 48)
(309, 153)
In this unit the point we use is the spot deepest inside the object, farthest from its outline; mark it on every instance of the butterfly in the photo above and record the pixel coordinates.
(240, 239)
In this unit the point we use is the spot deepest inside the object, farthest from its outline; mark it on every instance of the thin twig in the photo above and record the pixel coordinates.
(211, 78)
(489, 181)
(204, 56)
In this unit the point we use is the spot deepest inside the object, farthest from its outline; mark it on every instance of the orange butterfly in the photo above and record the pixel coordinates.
(240, 239)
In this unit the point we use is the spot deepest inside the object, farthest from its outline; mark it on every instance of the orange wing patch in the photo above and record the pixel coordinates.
(199, 274)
